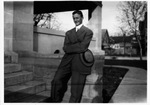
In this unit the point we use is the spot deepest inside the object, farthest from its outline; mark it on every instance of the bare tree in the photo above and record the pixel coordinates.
(46, 20)
(37, 18)
(131, 13)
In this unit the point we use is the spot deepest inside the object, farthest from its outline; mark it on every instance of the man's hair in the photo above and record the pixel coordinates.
(78, 12)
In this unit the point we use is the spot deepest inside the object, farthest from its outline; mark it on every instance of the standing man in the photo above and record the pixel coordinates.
(76, 43)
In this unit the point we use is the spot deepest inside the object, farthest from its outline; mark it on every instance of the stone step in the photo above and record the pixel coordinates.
(36, 98)
(18, 92)
(48, 79)
(17, 77)
(45, 62)
(10, 68)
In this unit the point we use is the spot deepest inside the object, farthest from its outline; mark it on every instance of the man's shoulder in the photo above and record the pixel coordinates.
(69, 31)
(87, 29)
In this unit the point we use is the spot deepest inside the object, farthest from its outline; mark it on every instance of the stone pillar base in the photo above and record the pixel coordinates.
(93, 89)
(10, 57)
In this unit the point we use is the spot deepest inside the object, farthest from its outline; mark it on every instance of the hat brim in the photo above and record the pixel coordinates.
(84, 61)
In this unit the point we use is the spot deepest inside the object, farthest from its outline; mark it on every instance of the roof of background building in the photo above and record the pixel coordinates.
(105, 35)
(119, 39)
(105, 32)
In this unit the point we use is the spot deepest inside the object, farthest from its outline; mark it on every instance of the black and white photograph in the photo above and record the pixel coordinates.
(75, 52)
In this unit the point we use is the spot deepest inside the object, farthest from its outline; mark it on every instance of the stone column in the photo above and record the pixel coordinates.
(95, 23)
(9, 55)
(18, 28)
(93, 88)
(8, 26)
(23, 26)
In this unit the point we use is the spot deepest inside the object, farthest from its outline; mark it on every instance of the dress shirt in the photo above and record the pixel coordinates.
(78, 27)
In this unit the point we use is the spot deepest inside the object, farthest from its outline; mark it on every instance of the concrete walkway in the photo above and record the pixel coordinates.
(133, 87)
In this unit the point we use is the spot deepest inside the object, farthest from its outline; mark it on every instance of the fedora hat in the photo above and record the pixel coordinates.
(87, 58)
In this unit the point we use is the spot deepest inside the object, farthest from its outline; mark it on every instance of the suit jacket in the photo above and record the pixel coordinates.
(74, 44)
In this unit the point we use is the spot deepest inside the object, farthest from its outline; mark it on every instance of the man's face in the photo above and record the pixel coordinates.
(77, 19)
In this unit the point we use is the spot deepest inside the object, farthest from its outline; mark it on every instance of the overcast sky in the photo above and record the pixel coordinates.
(109, 13)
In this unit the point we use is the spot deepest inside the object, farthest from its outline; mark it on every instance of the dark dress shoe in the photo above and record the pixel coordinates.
(48, 100)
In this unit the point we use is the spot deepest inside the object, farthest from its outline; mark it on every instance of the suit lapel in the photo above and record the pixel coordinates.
(73, 35)
(80, 31)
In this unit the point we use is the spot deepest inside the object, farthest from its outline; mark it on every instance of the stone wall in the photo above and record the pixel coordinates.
(48, 40)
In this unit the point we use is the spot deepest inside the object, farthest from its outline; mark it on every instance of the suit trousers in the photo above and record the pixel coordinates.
(60, 83)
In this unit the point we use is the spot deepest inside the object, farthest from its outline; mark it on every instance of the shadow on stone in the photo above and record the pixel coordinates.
(112, 77)
(20, 97)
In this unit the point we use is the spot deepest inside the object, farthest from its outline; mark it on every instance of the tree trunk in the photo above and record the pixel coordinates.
(139, 43)
(124, 43)
(140, 50)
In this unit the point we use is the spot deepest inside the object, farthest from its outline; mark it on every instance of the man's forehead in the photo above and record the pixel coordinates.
(76, 15)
